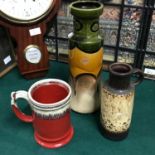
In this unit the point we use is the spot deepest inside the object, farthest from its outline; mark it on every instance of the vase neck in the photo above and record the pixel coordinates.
(119, 82)
(86, 27)
(120, 74)
(86, 16)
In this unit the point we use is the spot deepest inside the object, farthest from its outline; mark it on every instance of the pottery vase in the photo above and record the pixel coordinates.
(118, 100)
(85, 56)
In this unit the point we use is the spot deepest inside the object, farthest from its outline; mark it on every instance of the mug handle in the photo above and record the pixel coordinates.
(14, 96)
(140, 76)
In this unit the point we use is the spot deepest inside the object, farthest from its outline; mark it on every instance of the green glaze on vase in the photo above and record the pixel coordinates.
(85, 54)
(86, 26)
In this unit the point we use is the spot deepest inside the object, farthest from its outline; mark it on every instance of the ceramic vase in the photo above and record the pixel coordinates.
(118, 100)
(85, 56)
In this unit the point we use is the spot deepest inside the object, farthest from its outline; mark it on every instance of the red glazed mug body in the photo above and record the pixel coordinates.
(49, 100)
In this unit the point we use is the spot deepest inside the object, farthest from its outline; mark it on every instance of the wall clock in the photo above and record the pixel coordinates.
(27, 21)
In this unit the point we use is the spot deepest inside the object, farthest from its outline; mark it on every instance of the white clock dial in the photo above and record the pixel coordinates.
(25, 10)
(33, 54)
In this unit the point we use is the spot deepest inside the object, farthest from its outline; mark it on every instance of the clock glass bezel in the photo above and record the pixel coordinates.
(14, 19)
(31, 57)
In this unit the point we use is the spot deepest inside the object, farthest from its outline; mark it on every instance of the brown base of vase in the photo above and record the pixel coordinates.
(114, 136)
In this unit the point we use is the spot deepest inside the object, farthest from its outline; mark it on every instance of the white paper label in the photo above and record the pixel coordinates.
(35, 31)
(7, 60)
(149, 71)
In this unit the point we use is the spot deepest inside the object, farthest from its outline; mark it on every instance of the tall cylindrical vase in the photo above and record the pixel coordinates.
(118, 100)
(85, 56)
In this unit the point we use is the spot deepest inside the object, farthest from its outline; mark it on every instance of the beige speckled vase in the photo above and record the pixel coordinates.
(118, 99)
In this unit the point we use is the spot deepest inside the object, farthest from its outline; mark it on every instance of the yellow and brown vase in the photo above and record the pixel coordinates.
(85, 56)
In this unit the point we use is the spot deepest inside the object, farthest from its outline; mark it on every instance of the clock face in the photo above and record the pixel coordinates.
(25, 11)
(33, 54)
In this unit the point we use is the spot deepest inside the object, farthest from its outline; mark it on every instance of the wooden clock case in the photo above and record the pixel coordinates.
(21, 34)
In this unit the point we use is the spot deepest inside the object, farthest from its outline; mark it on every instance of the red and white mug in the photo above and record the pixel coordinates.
(49, 100)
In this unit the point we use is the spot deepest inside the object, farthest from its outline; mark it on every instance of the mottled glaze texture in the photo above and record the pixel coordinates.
(117, 100)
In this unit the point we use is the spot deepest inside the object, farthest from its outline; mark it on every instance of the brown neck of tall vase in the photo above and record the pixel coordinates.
(119, 81)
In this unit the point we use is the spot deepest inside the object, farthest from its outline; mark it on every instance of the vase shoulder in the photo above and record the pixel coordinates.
(120, 91)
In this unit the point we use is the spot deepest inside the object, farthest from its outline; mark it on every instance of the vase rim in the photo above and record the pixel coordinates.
(85, 8)
(120, 69)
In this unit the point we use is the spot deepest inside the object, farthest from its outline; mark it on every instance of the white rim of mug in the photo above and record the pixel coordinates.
(50, 105)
